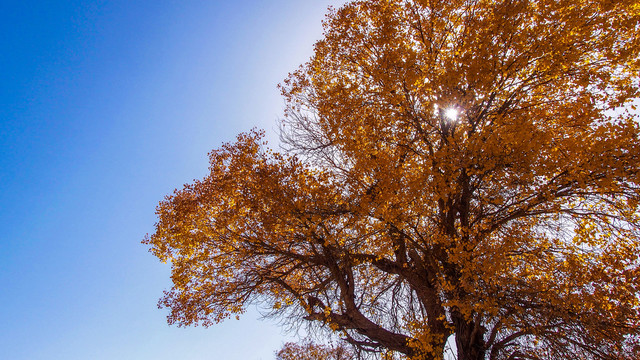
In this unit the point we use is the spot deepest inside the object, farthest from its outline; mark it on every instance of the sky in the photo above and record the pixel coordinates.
(105, 108)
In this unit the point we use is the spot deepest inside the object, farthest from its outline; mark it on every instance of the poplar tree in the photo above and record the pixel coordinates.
(463, 168)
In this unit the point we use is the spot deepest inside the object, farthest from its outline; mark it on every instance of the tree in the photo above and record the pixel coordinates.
(311, 351)
(465, 168)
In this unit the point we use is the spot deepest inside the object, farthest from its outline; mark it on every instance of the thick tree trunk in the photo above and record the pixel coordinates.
(469, 339)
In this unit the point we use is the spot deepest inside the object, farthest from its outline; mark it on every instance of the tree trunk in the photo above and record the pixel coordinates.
(469, 337)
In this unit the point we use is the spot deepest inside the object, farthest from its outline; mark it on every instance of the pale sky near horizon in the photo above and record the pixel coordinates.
(106, 107)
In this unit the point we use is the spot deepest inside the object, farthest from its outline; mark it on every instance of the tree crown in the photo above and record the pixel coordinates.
(465, 168)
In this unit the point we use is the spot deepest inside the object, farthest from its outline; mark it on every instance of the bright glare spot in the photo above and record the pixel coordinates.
(451, 114)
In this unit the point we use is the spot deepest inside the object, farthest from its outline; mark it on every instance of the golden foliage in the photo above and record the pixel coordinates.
(465, 167)
(312, 351)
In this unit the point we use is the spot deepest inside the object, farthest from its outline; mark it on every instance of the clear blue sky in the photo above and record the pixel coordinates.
(107, 106)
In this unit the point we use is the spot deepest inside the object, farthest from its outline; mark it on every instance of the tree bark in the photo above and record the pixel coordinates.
(469, 337)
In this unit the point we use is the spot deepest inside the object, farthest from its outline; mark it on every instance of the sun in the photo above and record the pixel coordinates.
(451, 113)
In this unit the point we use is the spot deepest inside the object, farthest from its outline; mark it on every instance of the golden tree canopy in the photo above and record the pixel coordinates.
(466, 168)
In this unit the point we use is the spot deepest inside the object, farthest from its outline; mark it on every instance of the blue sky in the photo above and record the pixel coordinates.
(106, 107)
